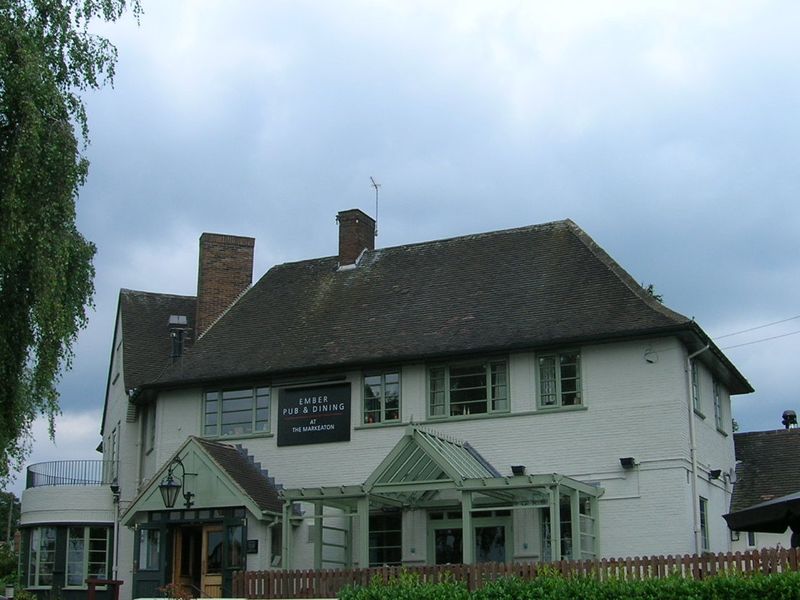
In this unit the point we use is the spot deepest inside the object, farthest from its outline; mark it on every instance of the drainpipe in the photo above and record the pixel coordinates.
(698, 544)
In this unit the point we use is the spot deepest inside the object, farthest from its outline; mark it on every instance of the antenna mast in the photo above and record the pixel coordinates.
(376, 186)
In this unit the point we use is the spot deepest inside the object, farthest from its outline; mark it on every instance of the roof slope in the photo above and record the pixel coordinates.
(248, 475)
(146, 344)
(768, 466)
(518, 288)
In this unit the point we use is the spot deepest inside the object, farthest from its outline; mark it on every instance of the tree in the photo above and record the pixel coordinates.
(47, 57)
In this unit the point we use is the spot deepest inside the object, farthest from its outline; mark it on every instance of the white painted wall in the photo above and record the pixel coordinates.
(632, 407)
(67, 504)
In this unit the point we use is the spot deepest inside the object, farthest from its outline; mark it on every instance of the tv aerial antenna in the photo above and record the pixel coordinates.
(377, 186)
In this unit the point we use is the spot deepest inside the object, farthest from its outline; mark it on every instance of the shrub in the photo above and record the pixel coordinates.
(553, 586)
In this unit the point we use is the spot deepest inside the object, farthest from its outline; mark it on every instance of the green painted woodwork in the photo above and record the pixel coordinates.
(211, 485)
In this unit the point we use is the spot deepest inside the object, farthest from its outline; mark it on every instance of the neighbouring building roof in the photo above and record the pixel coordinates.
(246, 473)
(768, 466)
(542, 285)
(146, 343)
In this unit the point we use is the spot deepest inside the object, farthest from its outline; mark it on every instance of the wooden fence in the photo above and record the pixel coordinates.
(327, 583)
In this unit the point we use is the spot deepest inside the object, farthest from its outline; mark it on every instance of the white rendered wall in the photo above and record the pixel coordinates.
(631, 407)
(67, 504)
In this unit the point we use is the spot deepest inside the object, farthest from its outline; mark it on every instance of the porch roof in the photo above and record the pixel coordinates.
(424, 464)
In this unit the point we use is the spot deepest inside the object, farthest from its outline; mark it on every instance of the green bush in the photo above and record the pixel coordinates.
(406, 587)
(552, 586)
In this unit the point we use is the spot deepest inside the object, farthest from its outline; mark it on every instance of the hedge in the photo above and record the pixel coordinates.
(780, 586)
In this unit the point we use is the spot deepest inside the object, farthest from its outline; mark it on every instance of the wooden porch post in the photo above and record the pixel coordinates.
(363, 532)
(575, 519)
(467, 530)
(286, 531)
(318, 535)
(555, 523)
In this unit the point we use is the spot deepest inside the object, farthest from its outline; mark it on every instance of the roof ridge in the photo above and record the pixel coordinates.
(454, 238)
(128, 291)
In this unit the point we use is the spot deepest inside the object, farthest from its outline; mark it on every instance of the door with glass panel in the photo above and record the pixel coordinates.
(492, 534)
(211, 574)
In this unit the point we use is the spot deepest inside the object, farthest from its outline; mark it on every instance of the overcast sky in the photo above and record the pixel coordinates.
(667, 131)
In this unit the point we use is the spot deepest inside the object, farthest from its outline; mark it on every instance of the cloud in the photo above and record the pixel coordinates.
(77, 434)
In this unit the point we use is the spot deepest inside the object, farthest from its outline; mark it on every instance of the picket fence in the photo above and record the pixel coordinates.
(327, 583)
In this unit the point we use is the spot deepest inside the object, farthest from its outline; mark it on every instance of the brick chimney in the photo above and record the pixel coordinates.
(225, 270)
(356, 233)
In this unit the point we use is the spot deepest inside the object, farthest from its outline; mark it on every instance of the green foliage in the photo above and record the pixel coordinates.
(8, 501)
(552, 586)
(47, 57)
(8, 566)
(407, 587)
(651, 289)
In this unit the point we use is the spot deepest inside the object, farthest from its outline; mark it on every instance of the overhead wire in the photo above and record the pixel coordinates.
(774, 337)
(719, 337)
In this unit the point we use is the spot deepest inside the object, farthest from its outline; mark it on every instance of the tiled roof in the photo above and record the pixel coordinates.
(248, 475)
(147, 346)
(768, 466)
(542, 285)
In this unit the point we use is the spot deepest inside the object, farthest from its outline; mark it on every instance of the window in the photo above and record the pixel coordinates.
(42, 557)
(149, 542)
(587, 526)
(385, 535)
(704, 524)
(236, 412)
(717, 406)
(382, 397)
(468, 389)
(695, 388)
(87, 554)
(751, 538)
(560, 379)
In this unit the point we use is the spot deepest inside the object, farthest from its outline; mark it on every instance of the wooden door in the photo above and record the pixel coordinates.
(212, 563)
(186, 563)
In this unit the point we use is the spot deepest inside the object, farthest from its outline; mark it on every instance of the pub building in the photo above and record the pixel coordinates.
(505, 396)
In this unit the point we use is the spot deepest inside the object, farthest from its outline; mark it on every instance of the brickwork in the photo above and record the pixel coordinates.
(225, 269)
(356, 232)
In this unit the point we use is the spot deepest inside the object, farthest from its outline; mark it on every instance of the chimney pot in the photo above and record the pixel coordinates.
(356, 234)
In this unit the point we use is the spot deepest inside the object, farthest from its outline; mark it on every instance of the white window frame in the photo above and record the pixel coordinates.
(381, 418)
(696, 397)
(717, 405)
(446, 389)
(256, 393)
(35, 561)
(87, 551)
(705, 539)
(558, 379)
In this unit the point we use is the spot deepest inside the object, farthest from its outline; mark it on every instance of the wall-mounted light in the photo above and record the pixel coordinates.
(714, 473)
(115, 490)
(627, 462)
(518, 469)
(170, 487)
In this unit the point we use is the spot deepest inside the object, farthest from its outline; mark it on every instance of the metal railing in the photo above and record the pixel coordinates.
(71, 472)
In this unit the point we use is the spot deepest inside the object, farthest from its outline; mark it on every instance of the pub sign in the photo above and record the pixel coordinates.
(314, 415)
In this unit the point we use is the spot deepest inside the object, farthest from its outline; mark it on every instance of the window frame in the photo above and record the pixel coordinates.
(446, 404)
(382, 373)
(86, 552)
(717, 405)
(255, 394)
(559, 392)
(705, 539)
(697, 399)
(149, 538)
(34, 565)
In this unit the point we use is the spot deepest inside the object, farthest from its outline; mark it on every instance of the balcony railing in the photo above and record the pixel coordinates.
(71, 472)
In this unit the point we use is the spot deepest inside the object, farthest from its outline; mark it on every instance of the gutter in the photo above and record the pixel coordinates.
(698, 543)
